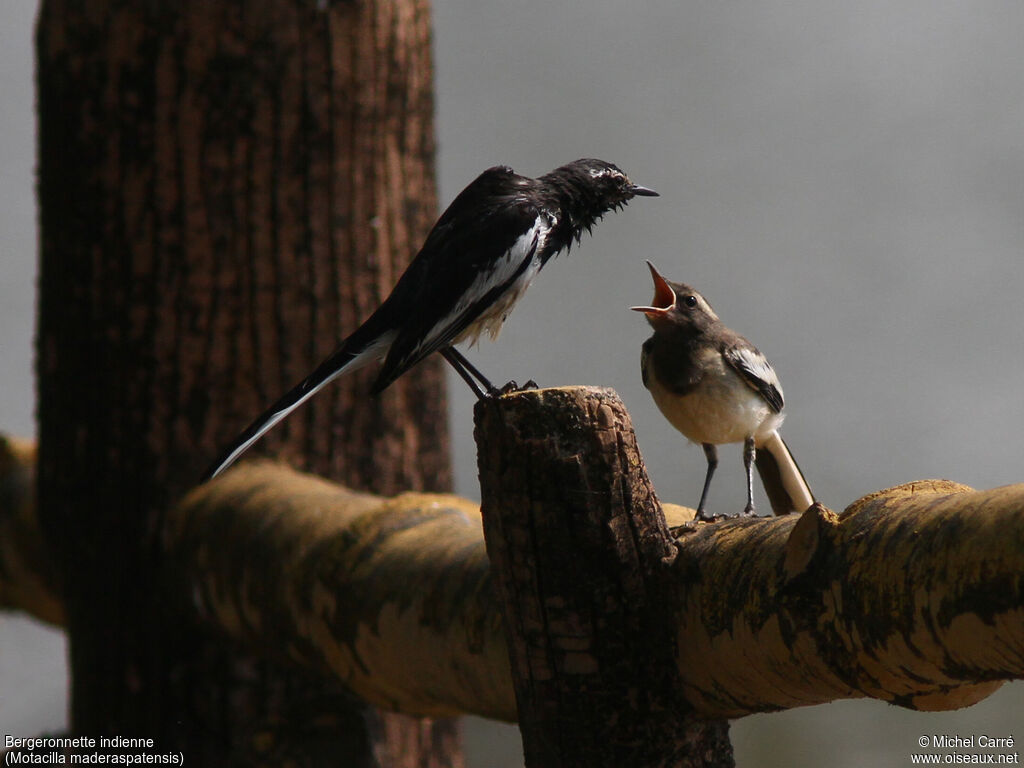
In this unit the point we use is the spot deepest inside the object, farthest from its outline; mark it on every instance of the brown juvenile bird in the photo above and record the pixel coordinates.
(715, 387)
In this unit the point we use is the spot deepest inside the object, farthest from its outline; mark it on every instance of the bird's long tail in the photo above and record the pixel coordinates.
(350, 356)
(783, 481)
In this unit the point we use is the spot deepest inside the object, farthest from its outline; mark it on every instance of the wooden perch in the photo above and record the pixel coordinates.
(913, 595)
(583, 559)
(391, 596)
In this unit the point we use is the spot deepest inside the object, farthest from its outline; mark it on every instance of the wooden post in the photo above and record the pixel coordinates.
(582, 560)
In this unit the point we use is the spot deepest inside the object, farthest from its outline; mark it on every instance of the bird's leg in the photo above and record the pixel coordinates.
(749, 454)
(467, 371)
(711, 453)
(466, 368)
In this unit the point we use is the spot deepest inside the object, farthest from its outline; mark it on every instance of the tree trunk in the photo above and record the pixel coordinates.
(225, 190)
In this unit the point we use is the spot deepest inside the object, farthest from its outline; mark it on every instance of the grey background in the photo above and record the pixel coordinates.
(845, 184)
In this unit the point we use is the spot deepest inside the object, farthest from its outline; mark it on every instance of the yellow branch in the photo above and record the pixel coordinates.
(391, 596)
(913, 595)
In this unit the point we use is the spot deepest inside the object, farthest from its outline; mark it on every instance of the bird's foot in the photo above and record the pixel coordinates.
(704, 517)
(749, 511)
(513, 386)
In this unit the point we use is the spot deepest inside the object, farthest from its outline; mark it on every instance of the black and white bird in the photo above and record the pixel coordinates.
(475, 264)
(715, 387)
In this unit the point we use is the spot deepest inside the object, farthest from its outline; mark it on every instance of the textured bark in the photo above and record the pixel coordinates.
(225, 191)
(583, 557)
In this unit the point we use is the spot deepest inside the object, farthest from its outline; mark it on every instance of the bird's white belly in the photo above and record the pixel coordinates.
(491, 320)
(723, 409)
(527, 246)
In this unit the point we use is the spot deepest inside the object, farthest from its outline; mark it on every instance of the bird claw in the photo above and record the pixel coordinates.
(513, 386)
(704, 517)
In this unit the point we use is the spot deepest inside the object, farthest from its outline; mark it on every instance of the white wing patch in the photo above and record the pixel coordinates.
(527, 246)
(756, 366)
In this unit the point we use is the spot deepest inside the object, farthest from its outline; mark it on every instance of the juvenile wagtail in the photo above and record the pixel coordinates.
(715, 387)
(477, 261)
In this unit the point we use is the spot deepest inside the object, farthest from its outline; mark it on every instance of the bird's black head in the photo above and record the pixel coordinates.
(677, 306)
(602, 184)
(583, 191)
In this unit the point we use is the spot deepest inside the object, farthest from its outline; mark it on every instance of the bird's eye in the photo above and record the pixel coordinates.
(690, 301)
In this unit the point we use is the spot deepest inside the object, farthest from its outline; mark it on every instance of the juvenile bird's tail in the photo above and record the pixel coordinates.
(783, 481)
(349, 357)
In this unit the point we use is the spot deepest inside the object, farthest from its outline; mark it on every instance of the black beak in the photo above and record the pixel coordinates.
(636, 189)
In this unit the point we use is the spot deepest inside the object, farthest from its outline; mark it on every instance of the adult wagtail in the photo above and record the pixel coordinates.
(476, 263)
(715, 387)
